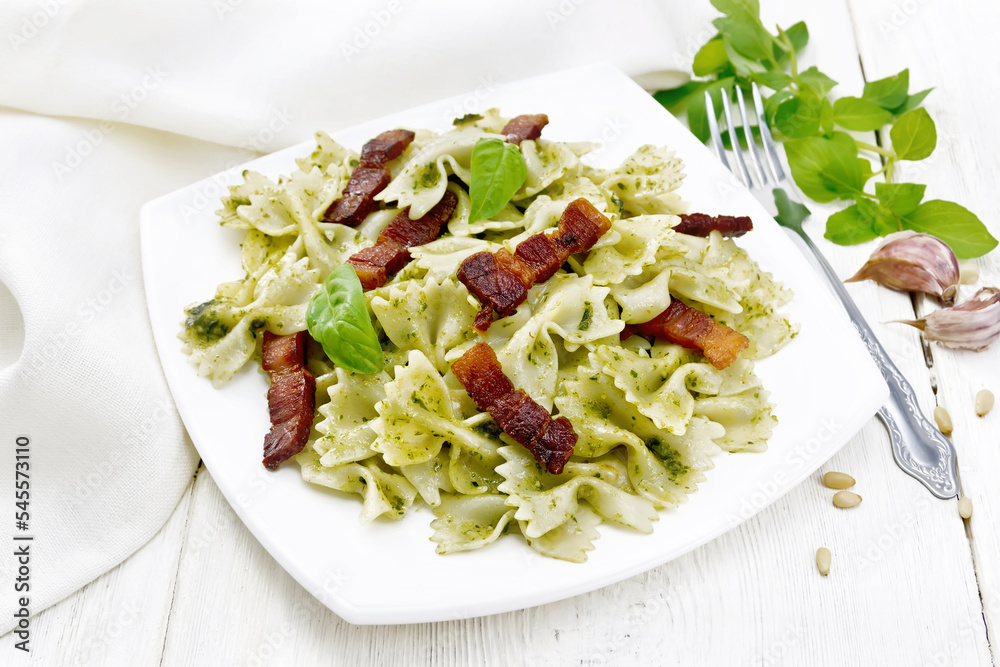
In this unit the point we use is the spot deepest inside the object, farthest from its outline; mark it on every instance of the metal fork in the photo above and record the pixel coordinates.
(917, 446)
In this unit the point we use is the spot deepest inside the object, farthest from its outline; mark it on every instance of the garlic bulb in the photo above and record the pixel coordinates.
(913, 262)
(972, 325)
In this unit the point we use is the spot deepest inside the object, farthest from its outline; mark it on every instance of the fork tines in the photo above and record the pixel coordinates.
(764, 177)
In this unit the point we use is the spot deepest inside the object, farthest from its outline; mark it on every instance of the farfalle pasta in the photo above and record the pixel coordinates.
(649, 415)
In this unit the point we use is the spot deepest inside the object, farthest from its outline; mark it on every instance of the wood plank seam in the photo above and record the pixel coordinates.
(180, 556)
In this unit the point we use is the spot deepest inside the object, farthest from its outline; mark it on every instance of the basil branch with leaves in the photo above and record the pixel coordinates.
(823, 159)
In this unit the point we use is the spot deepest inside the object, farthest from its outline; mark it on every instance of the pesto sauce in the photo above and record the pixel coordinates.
(427, 177)
(670, 457)
(204, 322)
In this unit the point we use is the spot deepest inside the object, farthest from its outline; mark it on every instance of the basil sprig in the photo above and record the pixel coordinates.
(824, 160)
(498, 171)
(338, 318)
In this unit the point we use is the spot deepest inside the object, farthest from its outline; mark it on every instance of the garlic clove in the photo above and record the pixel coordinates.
(972, 325)
(913, 262)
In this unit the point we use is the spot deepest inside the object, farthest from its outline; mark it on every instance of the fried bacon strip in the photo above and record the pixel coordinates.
(549, 440)
(368, 179)
(683, 325)
(375, 265)
(524, 127)
(700, 224)
(291, 400)
(501, 280)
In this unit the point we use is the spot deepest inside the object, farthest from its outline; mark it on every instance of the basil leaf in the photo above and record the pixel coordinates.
(827, 168)
(747, 37)
(889, 92)
(799, 116)
(498, 171)
(914, 135)
(790, 213)
(742, 8)
(860, 222)
(855, 113)
(912, 102)
(820, 82)
(772, 79)
(338, 318)
(955, 225)
(711, 58)
(826, 117)
(799, 35)
(740, 64)
(900, 198)
(676, 99)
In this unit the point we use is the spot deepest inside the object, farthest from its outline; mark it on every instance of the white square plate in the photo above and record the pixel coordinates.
(824, 384)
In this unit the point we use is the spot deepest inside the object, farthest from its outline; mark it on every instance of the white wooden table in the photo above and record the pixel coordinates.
(911, 583)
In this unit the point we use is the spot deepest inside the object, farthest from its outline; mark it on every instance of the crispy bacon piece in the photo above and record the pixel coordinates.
(683, 325)
(524, 127)
(368, 179)
(700, 224)
(291, 400)
(549, 440)
(386, 147)
(501, 280)
(376, 264)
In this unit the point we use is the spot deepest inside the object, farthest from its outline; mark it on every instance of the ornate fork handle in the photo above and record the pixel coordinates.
(917, 445)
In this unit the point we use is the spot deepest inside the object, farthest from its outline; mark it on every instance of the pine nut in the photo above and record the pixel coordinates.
(943, 420)
(984, 402)
(845, 499)
(965, 508)
(968, 272)
(823, 557)
(837, 480)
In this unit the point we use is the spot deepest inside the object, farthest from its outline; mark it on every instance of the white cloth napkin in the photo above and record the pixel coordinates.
(79, 375)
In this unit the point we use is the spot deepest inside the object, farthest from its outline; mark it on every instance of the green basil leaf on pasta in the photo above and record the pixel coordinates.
(498, 171)
(338, 318)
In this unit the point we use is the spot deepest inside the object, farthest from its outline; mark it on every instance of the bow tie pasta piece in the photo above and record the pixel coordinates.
(546, 162)
(422, 182)
(662, 467)
(545, 501)
(747, 417)
(383, 493)
(440, 259)
(669, 388)
(221, 335)
(570, 541)
(464, 523)
(430, 478)
(566, 305)
(345, 427)
(426, 316)
(640, 240)
(645, 182)
(761, 298)
(417, 419)
(328, 153)
(239, 195)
